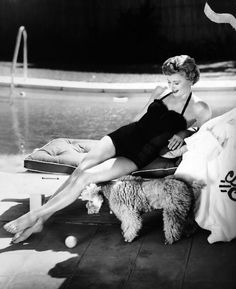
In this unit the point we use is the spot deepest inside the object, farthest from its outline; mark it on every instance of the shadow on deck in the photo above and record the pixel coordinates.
(102, 259)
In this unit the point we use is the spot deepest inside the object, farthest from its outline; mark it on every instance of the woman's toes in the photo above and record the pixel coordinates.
(17, 235)
(10, 227)
(23, 235)
(21, 223)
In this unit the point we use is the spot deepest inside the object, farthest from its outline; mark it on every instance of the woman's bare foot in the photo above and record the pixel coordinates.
(23, 235)
(21, 223)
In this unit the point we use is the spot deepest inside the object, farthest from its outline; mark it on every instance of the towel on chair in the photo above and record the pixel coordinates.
(211, 161)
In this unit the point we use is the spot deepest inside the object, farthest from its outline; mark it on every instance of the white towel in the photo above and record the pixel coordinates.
(211, 160)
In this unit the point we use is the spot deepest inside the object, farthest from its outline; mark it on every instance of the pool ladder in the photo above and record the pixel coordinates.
(21, 31)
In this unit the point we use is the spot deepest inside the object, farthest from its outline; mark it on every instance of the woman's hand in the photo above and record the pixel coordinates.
(175, 142)
(158, 91)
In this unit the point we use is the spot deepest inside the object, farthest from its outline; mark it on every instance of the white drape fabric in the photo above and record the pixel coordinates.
(211, 161)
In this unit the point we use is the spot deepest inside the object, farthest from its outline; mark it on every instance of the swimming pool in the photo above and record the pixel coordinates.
(41, 115)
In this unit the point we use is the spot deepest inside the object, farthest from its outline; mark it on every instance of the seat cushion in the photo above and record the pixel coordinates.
(60, 155)
(159, 168)
(63, 155)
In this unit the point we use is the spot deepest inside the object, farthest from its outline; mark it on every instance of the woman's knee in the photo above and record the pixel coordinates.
(106, 171)
(106, 147)
(90, 159)
(81, 177)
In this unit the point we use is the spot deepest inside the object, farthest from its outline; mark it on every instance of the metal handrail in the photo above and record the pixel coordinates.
(21, 31)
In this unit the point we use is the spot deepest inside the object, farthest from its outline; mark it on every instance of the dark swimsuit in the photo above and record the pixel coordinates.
(141, 141)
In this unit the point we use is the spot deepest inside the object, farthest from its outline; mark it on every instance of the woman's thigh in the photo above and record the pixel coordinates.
(103, 150)
(110, 169)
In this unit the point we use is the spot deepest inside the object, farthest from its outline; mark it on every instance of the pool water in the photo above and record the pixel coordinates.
(38, 116)
(41, 116)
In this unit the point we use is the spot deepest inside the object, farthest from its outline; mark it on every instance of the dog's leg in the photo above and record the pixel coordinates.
(172, 226)
(131, 221)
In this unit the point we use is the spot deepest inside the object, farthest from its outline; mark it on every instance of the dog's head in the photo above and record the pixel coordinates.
(92, 194)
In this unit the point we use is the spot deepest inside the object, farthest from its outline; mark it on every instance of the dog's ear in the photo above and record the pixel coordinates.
(94, 205)
(90, 192)
(86, 195)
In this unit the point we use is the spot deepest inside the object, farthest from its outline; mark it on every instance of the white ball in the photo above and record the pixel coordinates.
(22, 93)
(71, 241)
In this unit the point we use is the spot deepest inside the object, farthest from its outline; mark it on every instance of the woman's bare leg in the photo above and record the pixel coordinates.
(108, 170)
(103, 150)
(39, 223)
(25, 234)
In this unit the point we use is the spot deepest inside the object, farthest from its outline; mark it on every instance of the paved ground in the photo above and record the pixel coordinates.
(149, 73)
(103, 260)
(221, 75)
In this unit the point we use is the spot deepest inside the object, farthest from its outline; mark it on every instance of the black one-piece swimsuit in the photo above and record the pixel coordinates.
(141, 141)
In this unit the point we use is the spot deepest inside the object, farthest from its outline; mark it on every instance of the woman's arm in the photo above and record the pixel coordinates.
(202, 114)
(157, 93)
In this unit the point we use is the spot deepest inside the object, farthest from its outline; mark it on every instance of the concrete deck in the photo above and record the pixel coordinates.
(205, 84)
(101, 258)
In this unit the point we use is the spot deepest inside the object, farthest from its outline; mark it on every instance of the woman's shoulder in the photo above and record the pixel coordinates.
(200, 105)
(201, 109)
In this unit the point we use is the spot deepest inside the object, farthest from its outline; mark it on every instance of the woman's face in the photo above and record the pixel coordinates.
(178, 84)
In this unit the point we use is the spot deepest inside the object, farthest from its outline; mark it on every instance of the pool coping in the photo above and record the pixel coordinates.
(83, 86)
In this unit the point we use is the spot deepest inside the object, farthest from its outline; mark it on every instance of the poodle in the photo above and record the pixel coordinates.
(130, 196)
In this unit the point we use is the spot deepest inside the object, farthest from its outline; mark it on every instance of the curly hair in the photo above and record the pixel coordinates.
(182, 64)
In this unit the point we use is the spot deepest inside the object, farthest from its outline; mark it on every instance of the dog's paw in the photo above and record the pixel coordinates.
(131, 227)
(129, 239)
(129, 235)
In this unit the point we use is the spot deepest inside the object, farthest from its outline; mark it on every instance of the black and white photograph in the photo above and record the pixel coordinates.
(118, 144)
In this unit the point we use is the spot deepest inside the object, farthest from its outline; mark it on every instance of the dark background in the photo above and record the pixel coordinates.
(114, 34)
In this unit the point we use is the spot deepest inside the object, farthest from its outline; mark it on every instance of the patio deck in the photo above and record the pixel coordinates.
(102, 259)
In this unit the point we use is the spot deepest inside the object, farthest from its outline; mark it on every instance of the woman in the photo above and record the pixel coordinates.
(130, 147)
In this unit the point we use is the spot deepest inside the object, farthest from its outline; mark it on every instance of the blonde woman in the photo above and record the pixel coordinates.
(163, 122)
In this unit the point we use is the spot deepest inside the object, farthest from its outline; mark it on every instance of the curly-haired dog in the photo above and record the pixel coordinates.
(130, 196)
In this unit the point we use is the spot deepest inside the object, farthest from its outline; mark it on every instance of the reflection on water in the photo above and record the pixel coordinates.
(35, 119)
(20, 137)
